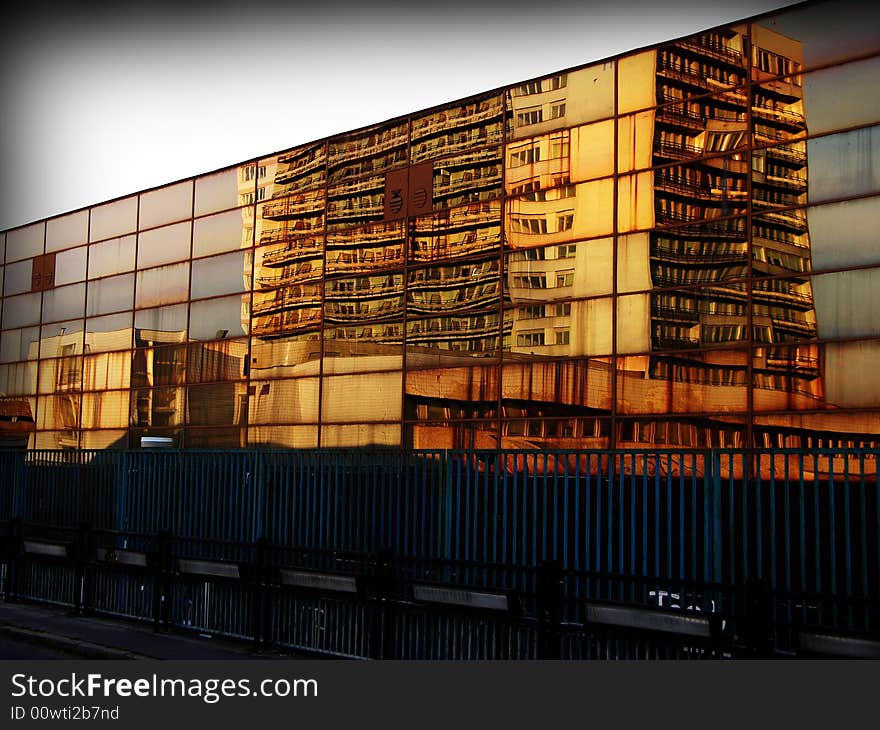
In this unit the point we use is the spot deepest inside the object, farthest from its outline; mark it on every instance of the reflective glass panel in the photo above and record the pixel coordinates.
(58, 411)
(70, 266)
(223, 232)
(112, 332)
(284, 401)
(360, 434)
(163, 245)
(842, 96)
(456, 129)
(166, 205)
(564, 99)
(818, 33)
(844, 234)
(787, 377)
(207, 362)
(216, 438)
(566, 213)
(162, 324)
(845, 164)
(302, 168)
(296, 355)
(162, 285)
(157, 408)
(109, 409)
(216, 275)
(113, 219)
(219, 404)
(847, 303)
(367, 152)
(67, 231)
(17, 378)
(24, 243)
(20, 344)
(362, 397)
(115, 256)
(17, 279)
(21, 310)
(113, 294)
(219, 318)
(698, 382)
(62, 338)
(290, 437)
(104, 439)
(851, 376)
(220, 190)
(64, 302)
(107, 371)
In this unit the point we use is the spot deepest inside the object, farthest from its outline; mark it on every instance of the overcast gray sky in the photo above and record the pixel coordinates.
(101, 101)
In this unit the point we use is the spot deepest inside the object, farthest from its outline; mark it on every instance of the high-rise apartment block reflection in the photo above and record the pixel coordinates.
(626, 253)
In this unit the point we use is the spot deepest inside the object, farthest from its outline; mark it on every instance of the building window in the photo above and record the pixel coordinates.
(534, 115)
(563, 337)
(569, 251)
(563, 309)
(565, 278)
(564, 221)
(531, 338)
(535, 311)
(529, 225)
(530, 281)
(560, 81)
(557, 110)
(526, 156)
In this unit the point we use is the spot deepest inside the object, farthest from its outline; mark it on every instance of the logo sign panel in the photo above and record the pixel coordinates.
(43, 272)
(409, 191)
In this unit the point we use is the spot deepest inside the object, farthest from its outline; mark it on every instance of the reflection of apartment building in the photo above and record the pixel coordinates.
(616, 254)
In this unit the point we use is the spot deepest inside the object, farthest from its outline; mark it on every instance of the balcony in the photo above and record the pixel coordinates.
(288, 300)
(423, 305)
(288, 323)
(293, 251)
(289, 208)
(676, 150)
(444, 121)
(674, 314)
(370, 184)
(295, 172)
(671, 341)
(783, 117)
(312, 152)
(341, 291)
(795, 220)
(377, 234)
(794, 157)
(342, 152)
(795, 183)
(442, 330)
(364, 261)
(716, 50)
(681, 118)
(682, 73)
(702, 255)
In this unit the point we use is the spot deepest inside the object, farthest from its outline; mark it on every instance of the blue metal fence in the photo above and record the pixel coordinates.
(675, 529)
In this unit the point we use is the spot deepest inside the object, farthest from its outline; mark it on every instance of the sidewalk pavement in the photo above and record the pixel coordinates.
(107, 638)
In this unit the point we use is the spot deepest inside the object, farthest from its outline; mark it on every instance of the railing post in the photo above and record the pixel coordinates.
(82, 583)
(162, 563)
(14, 560)
(381, 634)
(261, 618)
(549, 610)
(758, 619)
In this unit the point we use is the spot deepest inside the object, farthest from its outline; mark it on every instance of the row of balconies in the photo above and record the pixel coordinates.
(466, 116)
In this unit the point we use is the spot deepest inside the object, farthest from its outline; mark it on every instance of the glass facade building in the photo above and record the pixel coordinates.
(673, 247)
